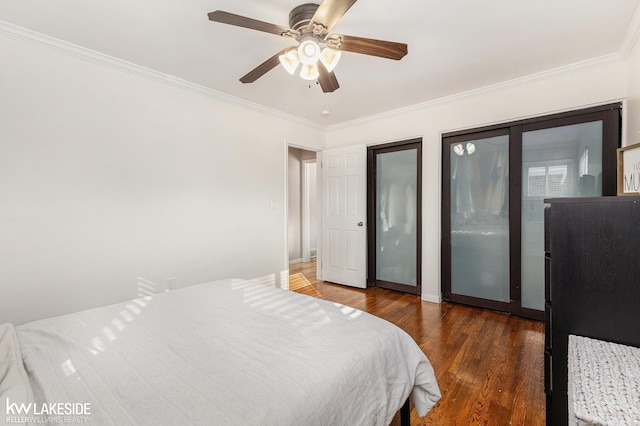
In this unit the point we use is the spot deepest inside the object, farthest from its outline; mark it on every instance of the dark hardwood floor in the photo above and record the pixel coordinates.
(489, 365)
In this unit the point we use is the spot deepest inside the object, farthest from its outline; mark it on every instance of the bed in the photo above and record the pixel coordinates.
(228, 352)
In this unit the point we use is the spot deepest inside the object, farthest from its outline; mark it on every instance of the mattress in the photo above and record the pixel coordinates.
(231, 353)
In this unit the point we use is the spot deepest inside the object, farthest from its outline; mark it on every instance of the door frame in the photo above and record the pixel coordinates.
(372, 150)
(284, 274)
(610, 114)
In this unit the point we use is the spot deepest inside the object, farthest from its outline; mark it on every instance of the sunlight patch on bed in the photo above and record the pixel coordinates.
(119, 325)
(269, 280)
(98, 344)
(308, 313)
(135, 309)
(348, 311)
(141, 301)
(137, 306)
(67, 368)
(109, 334)
(251, 295)
(126, 316)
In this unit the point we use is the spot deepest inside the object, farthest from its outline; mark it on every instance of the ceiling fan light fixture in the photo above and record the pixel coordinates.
(309, 52)
(290, 61)
(330, 57)
(309, 72)
(310, 26)
(471, 148)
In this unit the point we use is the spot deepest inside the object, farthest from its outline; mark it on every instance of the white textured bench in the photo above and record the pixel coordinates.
(604, 383)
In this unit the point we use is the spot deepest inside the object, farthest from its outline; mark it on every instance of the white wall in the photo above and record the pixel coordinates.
(312, 176)
(580, 87)
(111, 182)
(633, 97)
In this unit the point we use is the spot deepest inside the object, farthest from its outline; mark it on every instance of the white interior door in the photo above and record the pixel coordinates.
(344, 209)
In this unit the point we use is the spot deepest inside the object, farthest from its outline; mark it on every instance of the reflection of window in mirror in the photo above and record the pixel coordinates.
(551, 180)
(583, 163)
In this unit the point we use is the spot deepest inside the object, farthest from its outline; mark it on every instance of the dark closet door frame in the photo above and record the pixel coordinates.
(372, 151)
(609, 114)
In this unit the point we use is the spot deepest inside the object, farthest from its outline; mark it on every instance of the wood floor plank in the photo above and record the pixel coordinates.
(489, 365)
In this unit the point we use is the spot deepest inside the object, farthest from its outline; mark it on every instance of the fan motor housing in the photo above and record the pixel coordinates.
(301, 15)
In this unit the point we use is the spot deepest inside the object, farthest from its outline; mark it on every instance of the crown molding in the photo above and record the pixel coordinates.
(25, 35)
(481, 90)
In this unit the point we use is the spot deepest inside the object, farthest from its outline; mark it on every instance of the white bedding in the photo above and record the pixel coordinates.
(14, 382)
(227, 353)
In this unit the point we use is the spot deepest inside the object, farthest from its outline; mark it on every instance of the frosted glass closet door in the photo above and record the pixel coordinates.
(563, 161)
(396, 216)
(480, 218)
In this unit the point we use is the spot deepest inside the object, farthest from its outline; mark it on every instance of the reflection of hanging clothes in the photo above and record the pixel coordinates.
(397, 241)
(395, 205)
(398, 207)
(497, 187)
(384, 210)
(410, 197)
(461, 180)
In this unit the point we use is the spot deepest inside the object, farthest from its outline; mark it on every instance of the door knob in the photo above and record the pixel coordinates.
(361, 223)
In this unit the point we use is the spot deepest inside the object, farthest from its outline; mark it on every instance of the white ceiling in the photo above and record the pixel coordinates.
(454, 45)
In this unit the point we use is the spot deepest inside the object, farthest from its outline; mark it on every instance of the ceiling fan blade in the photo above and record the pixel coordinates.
(328, 13)
(327, 79)
(264, 67)
(252, 24)
(368, 46)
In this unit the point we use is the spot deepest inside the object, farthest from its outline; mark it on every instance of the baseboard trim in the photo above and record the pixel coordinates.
(431, 298)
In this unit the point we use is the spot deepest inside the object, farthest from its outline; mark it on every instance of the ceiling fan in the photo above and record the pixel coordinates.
(318, 50)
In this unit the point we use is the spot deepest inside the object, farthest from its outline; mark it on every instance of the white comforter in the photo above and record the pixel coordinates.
(227, 353)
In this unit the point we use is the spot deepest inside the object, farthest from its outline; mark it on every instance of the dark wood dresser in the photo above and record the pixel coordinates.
(592, 248)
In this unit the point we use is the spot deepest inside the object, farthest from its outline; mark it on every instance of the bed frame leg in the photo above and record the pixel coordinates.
(405, 414)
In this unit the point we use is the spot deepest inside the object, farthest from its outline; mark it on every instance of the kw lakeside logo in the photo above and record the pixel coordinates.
(47, 413)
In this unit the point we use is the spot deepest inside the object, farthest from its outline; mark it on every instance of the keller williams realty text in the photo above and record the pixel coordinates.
(45, 420)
